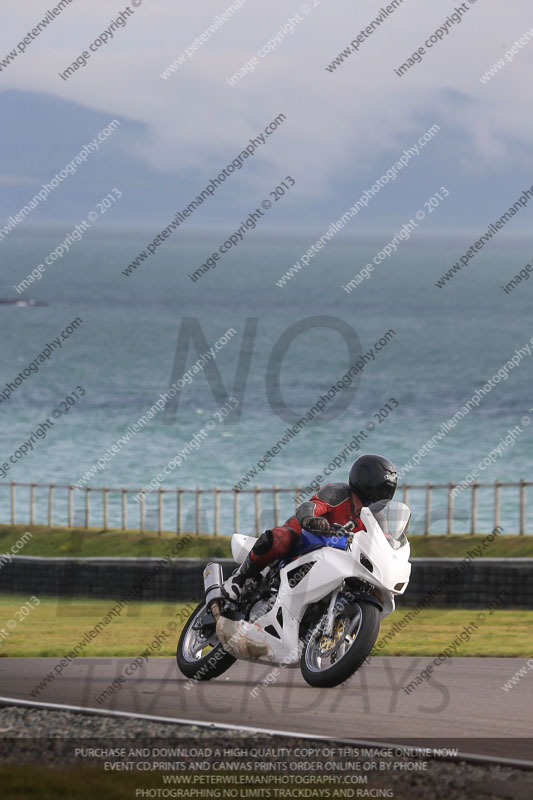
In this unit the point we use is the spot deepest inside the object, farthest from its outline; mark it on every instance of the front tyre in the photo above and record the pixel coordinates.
(327, 661)
(200, 655)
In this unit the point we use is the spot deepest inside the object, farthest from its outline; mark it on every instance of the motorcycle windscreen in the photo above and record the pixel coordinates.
(393, 518)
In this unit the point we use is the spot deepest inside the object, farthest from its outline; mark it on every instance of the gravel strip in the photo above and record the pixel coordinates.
(20, 722)
(41, 736)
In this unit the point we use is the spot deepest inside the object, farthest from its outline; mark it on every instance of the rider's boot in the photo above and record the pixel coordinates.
(233, 586)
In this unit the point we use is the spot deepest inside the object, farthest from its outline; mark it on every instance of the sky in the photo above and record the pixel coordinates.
(343, 127)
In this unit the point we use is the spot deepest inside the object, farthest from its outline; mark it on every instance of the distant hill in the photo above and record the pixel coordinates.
(41, 134)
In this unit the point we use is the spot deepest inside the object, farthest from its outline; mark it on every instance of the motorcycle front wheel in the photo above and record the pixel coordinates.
(200, 655)
(327, 661)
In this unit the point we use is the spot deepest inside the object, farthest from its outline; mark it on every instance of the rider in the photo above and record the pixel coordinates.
(371, 478)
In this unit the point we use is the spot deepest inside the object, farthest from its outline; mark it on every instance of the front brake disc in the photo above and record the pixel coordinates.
(328, 644)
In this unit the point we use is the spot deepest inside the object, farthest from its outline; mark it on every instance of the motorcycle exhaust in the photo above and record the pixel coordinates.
(213, 580)
(243, 639)
(240, 638)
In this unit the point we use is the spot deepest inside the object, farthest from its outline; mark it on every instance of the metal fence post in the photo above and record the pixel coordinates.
(105, 509)
(141, 511)
(32, 503)
(217, 510)
(257, 511)
(276, 505)
(159, 511)
(50, 504)
(13, 501)
(70, 506)
(522, 507)
(496, 504)
(178, 510)
(198, 509)
(449, 519)
(475, 487)
(428, 509)
(236, 512)
(46, 512)
(124, 508)
(87, 507)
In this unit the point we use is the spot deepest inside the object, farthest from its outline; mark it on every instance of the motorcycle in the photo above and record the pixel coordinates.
(321, 607)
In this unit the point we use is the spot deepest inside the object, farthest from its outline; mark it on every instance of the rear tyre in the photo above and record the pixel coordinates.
(199, 654)
(327, 661)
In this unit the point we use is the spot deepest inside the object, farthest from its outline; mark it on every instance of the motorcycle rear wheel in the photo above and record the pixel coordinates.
(199, 654)
(327, 661)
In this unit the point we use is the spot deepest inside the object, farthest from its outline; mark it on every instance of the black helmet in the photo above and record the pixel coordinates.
(373, 478)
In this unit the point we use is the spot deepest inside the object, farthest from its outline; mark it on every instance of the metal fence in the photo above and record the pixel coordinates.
(481, 507)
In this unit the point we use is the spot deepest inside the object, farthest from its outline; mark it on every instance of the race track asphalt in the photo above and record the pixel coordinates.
(462, 705)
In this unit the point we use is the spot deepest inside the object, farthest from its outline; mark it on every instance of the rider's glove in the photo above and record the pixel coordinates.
(315, 524)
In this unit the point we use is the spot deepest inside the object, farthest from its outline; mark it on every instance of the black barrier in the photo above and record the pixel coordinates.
(447, 582)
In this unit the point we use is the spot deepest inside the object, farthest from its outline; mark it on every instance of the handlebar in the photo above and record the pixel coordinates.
(347, 527)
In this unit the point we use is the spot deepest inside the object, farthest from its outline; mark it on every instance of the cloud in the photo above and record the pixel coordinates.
(339, 123)
(17, 180)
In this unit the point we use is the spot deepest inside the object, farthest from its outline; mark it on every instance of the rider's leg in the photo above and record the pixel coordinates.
(271, 545)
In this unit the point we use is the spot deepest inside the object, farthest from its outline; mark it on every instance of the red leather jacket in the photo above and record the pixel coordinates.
(333, 502)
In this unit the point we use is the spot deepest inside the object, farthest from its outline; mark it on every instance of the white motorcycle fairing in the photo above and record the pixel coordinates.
(371, 556)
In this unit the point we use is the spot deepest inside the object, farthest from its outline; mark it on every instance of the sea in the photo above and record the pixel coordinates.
(140, 333)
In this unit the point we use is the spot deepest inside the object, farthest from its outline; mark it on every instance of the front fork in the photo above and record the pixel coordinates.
(330, 614)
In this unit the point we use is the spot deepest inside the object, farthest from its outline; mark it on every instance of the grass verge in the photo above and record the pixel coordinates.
(78, 542)
(58, 624)
(31, 782)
